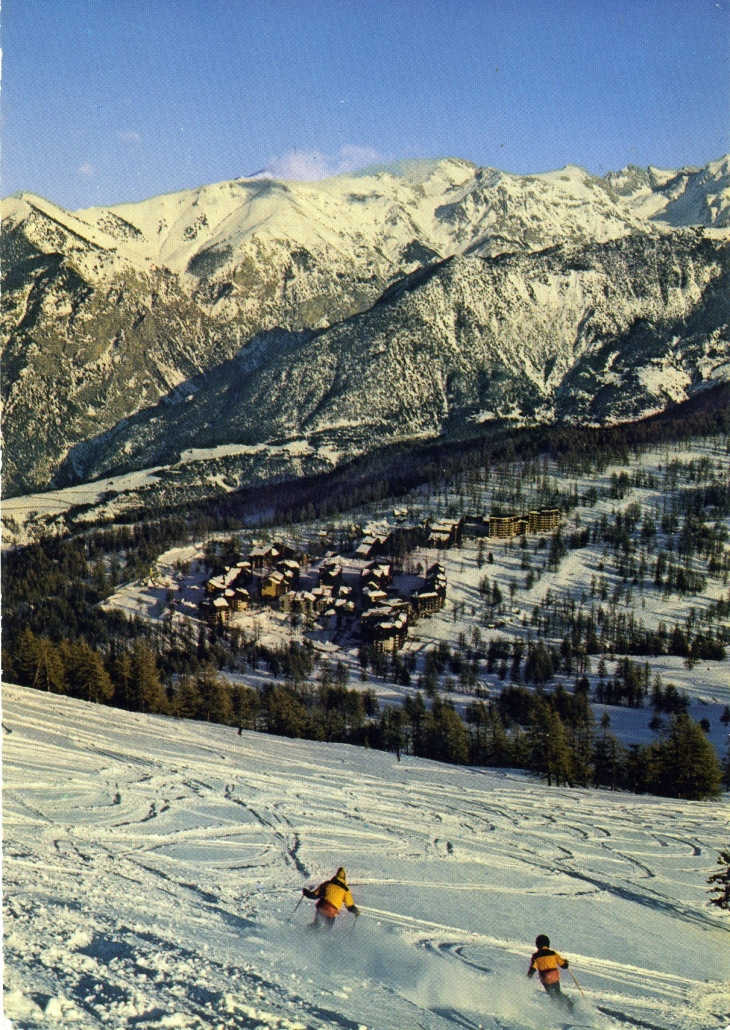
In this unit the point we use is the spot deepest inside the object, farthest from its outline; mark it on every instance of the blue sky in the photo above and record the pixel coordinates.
(112, 100)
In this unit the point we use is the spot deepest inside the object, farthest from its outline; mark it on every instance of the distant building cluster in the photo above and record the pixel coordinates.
(544, 521)
(271, 573)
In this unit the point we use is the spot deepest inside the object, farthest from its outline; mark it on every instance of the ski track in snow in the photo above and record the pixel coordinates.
(151, 868)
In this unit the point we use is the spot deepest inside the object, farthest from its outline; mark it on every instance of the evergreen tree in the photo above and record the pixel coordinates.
(245, 706)
(607, 757)
(215, 697)
(38, 664)
(446, 737)
(637, 768)
(549, 753)
(146, 693)
(414, 710)
(391, 729)
(684, 764)
(121, 675)
(185, 702)
(722, 879)
(41, 664)
(287, 716)
(85, 673)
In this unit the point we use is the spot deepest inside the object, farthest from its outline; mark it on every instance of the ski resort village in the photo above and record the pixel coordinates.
(500, 701)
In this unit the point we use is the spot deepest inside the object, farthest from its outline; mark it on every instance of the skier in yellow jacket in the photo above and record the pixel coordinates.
(545, 963)
(330, 897)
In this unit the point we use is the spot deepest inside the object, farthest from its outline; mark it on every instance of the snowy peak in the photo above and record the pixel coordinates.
(690, 196)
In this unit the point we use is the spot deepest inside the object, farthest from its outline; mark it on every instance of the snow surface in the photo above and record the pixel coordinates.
(151, 869)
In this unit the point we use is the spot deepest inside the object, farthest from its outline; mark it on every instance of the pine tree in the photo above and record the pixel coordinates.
(146, 693)
(38, 664)
(287, 715)
(120, 671)
(685, 764)
(607, 757)
(185, 703)
(245, 706)
(722, 879)
(549, 753)
(215, 697)
(446, 736)
(391, 729)
(87, 678)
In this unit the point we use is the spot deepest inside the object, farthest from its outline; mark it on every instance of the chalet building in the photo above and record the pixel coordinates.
(215, 611)
(366, 548)
(373, 597)
(263, 557)
(322, 598)
(230, 577)
(432, 597)
(244, 572)
(385, 628)
(241, 599)
(290, 568)
(436, 579)
(330, 572)
(286, 552)
(426, 602)
(446, 534)
(328, 619)
(373, 544)
(377, 573)
(544, 521)
(299, 602)
(333, 615)
(273, 585)
(503, 527)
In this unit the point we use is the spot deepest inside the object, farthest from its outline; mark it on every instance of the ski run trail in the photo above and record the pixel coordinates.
(152, 866)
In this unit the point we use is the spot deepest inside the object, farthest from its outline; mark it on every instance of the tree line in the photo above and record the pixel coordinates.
(551, 734)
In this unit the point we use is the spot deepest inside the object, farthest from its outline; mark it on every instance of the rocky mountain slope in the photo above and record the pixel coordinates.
(594, 334)
(108, 313)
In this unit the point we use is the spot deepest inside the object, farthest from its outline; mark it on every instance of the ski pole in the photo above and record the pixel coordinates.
(295, 908)
(576, 982)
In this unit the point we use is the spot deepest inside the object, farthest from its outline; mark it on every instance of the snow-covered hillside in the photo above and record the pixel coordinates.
(605, 334)
(107, 310)
(151, 869)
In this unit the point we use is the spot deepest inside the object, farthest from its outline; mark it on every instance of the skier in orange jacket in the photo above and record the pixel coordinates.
(330, 897)
(545, 963)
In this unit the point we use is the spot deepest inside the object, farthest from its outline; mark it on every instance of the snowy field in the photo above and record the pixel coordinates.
(151, 869)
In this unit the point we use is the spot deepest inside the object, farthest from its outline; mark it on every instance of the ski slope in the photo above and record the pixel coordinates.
(151, 868)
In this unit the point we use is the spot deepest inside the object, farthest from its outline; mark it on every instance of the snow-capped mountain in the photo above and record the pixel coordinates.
(595, 334)
(108, 310)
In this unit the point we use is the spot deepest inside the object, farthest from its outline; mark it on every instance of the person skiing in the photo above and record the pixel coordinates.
(330, 896)
(545, 963)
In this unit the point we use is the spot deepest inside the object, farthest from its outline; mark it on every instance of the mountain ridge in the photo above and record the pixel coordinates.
(527, 339)
(108, 310)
